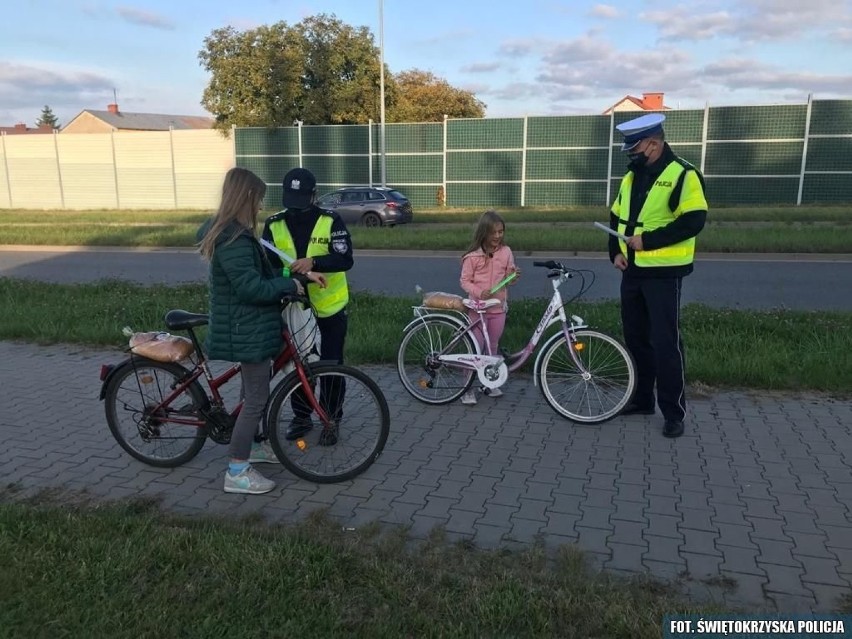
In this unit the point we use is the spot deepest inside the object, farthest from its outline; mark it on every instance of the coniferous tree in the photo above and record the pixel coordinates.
(48, 118)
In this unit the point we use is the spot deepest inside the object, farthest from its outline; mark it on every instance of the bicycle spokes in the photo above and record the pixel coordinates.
(343, 439)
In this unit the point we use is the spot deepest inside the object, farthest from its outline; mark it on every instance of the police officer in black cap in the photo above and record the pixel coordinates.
(316, 240)
(660, 208)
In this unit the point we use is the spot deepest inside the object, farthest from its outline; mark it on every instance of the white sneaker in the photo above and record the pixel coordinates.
(469, 398)
(495, 392)
(248, 482)
(262, 453)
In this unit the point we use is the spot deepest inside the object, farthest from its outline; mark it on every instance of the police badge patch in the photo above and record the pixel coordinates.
(339, 246)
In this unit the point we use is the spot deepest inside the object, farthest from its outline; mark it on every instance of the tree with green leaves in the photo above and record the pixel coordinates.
(319, 71)
(48, 118)
(424, 97)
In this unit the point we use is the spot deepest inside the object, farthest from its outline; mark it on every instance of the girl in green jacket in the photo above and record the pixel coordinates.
(245, 316)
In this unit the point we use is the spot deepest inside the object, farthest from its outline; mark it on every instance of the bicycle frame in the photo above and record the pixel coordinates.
(492, 369)
(289, 354)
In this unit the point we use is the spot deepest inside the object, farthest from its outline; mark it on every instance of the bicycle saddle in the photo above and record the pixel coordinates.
(480, 305)
(178, 320)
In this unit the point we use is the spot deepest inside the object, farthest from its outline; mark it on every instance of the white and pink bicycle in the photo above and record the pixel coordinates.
(584, 375)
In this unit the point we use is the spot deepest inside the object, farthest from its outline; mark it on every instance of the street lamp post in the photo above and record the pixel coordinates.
(382, 160)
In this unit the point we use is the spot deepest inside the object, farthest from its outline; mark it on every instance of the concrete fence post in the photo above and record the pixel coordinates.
(6, 167)
(805, 150)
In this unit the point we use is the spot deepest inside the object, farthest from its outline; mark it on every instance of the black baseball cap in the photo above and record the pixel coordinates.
(299, 187)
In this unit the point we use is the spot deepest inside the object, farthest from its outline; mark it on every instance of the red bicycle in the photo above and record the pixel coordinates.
(160, 413)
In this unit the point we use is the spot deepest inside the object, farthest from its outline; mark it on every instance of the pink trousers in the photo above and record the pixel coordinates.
(496, 322)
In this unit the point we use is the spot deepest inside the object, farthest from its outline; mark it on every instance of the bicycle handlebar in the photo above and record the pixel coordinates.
(549, 264)
(295, 297)
(553, 265)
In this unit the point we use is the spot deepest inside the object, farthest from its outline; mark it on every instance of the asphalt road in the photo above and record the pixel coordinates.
(750, 282)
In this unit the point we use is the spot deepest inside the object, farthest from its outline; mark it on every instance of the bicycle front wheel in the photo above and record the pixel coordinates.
(596, 394)
(420, 370)
(359, 423)
(152, 430)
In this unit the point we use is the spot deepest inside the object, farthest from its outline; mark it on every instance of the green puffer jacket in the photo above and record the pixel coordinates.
(245, 313)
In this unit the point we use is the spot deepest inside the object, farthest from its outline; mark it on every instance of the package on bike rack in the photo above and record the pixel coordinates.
(438, 299)
(159, 346)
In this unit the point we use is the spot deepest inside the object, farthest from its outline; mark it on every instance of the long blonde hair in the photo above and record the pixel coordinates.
(487, 223)
(242, 197)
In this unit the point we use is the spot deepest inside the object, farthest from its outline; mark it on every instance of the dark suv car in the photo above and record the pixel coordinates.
(370, 206)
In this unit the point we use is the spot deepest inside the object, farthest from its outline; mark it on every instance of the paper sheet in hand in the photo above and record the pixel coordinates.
(286, 258)
(604, 227)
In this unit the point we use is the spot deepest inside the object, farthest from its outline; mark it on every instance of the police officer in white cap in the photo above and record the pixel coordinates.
(660, 208)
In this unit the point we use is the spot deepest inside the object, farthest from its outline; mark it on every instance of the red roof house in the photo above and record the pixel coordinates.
(648, 102)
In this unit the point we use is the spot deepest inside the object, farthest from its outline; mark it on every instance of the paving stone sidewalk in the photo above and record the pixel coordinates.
(752, 507)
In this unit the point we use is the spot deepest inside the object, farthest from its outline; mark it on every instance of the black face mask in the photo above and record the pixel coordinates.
(637, 160)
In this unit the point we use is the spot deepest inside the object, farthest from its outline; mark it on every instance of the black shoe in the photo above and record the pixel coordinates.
(328, 436)
(299, 427)
(637, 409)
(673, 428)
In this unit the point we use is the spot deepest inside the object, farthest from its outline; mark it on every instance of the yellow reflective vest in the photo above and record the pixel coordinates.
(655, 213)
(329, 300)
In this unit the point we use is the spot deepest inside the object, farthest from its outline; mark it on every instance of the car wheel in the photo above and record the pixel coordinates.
(371, 219)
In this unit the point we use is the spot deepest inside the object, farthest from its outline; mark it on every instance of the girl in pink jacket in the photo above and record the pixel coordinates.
(485, 263)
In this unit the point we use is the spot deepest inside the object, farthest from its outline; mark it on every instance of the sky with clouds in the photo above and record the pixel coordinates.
(543, 57)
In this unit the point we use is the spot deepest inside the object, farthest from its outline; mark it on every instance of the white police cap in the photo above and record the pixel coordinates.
(637, 129)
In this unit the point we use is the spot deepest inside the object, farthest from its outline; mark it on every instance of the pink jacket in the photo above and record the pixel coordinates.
(480, 272)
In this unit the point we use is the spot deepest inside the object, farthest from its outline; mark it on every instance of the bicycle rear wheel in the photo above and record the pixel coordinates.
(421, 373)
(597, 395)
(144, 427)
(349, 444)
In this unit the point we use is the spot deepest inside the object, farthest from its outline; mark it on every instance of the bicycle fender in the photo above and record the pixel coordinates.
(130, 361)
(419, 320)
(113, 369)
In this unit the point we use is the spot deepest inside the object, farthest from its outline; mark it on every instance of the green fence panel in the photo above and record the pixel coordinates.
(680, 126)
(830, 154)
(483, 195)
(831, 117)
(406, 169)
(263, 141)
(274, 194)
(269, 169)
(420, 196)
(757, 122)
(759, 158)
(827, 189)
(410, 138)
(568, 131)
(751, 155)
(684, 127)
(751, 191)
(567, 164)
(348, 139)
(497, 166)
(338, 170)
(562, 194)
(496, 133)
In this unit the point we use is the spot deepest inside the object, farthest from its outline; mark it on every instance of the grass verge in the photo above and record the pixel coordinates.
(127, 570)
(773, 350)
(805, 230)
